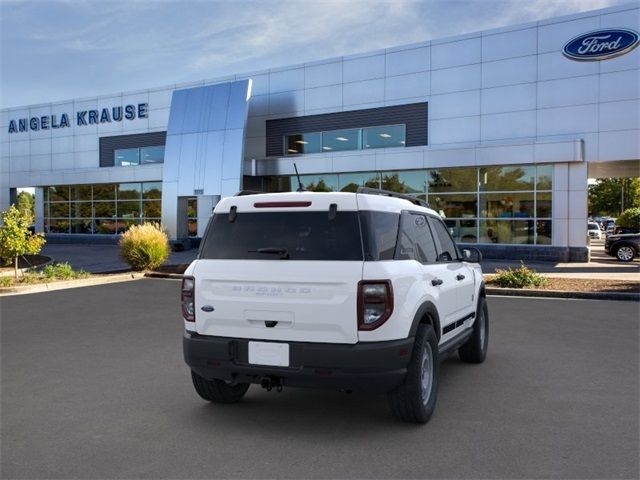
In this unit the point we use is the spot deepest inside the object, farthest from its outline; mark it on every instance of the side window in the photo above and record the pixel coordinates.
(415, 240)
(447, 248)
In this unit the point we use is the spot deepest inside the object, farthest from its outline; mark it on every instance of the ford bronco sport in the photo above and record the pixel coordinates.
(352, 291)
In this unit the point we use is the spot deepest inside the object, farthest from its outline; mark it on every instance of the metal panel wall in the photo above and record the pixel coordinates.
(109, 144)
(413, 115)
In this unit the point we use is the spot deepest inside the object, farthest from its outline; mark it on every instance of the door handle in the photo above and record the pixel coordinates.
(460, 277)
(436, 281)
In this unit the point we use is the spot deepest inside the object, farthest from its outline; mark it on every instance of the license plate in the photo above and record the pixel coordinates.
(269, 353)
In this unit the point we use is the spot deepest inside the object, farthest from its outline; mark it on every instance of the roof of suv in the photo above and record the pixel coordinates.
(317, 201)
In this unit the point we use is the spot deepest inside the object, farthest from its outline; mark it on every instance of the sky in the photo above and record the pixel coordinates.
(54, 50)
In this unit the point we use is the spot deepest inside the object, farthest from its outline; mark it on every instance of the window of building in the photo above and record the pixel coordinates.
(385, 136)
(138, 156)
(506, 205)
(303, 143)
(106, 208)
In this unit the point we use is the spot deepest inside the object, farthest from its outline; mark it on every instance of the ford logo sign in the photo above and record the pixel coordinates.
(601, 44)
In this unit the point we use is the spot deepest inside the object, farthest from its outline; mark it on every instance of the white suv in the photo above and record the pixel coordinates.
(353, 291)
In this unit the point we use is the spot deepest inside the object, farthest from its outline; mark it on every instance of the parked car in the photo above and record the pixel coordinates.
(618, 230)
(352, 291)
(624, 247)
(593, 229)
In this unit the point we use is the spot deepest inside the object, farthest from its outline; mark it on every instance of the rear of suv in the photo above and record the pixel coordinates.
(352, 291)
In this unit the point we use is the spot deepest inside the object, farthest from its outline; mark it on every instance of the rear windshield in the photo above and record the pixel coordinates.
(283, 236)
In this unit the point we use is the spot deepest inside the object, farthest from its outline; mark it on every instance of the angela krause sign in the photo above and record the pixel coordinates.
(83, 117)
(601, 44)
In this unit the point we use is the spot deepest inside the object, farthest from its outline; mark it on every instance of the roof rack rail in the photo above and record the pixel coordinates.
(243, 193)
(387, 193)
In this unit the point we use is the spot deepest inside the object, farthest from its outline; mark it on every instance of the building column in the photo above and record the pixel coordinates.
(39, 210)
(206, 204)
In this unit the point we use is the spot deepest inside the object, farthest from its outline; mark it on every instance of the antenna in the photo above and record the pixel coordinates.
(300, 186)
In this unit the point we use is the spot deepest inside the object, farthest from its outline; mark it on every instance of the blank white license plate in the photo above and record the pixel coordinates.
(269, 353)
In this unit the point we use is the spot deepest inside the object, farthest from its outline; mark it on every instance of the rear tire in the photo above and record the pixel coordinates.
(625, 253)
(415, 400)
(218, 391)
(475, 349)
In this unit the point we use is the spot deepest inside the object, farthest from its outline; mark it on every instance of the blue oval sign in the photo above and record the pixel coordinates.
(601, 44)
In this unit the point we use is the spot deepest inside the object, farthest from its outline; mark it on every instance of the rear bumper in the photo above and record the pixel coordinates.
(375, 366)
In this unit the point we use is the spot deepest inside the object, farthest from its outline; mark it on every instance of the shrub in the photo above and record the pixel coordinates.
(521, 277)
(6, 281)
(630, 218)
(15, 237)
(145, 246)
(62, 271)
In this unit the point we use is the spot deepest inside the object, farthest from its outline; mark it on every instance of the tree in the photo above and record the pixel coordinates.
(630, 218)
(610, 196)
(16, 239)
(25, 202)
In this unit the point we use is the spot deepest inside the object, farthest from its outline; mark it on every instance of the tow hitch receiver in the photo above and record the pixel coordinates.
(269, 383)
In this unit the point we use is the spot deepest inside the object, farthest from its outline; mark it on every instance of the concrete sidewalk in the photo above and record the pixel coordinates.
(104, 258)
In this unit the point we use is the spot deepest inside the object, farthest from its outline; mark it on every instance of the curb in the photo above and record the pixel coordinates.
(521, 292)
(63, 285)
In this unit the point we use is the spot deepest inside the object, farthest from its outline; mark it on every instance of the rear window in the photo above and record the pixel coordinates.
(283, 236)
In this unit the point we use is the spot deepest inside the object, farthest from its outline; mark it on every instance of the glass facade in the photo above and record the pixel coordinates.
(506, 205)
(385, 136)
(106, 208)
(138, 156)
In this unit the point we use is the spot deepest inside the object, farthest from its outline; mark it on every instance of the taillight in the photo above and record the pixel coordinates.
(187, 299)
(375, 303)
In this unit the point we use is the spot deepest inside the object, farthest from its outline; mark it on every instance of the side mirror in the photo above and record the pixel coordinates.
(472, 255)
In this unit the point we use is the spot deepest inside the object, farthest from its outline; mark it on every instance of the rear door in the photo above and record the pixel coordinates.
(457, 277)
(287, 274)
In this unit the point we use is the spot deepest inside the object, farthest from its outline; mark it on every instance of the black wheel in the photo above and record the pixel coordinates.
(475, 349)
(625, 253)
(415, 400)
(218, 391)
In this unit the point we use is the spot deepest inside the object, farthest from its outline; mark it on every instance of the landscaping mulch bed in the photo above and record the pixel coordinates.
(586, 285)
(28, 261)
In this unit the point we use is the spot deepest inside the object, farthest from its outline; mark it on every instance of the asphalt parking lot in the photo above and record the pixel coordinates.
(93, 386)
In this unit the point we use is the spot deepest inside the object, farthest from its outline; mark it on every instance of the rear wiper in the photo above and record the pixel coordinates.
(284, 254)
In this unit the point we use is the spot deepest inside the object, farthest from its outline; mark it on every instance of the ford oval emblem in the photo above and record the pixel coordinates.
(601, 44)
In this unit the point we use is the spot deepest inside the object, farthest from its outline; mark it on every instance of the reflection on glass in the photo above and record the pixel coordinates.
(404, 182)
(453, 180)
(124, 225)
(152, 190)
(456, 205)
(192, 214)
(317, 183)
(545, 176)
(383, 137)
(543, 232)
(507, 231)
(152, 154)
(81, 209)
(350, 182)
(281, 184)
(104, 191)
(104, 226)
(506, 205)
(151, 209)
(302, 143)
(128, 191)
(462, 229)
(126, 157)
(81, 192)
(82, 225)
(59, 210)
(338, 140)
(507, 178)
(543, 205)
(59, 193)
(56, 225)
(104, 209)
(128, 210)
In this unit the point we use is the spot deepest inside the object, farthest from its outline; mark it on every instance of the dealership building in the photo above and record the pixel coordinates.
(498, 130)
